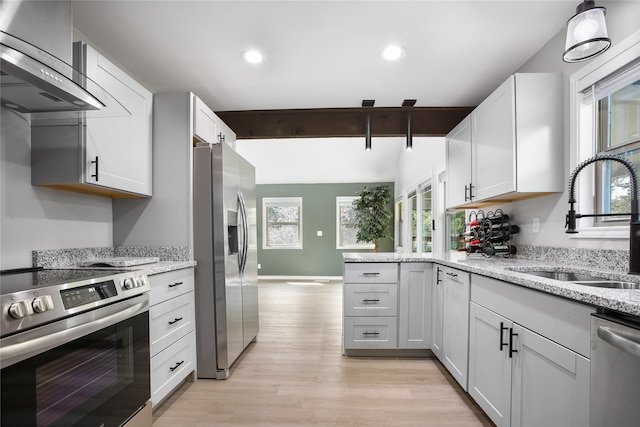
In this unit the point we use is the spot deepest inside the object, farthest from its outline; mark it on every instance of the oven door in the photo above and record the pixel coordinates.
(88, 370)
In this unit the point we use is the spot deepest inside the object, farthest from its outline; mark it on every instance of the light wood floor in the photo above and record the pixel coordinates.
(295, 375)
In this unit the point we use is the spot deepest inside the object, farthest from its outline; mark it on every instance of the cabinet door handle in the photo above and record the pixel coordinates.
(371, 333)
(452, 274)
(95, 175)
(511, 349)
(176, 284)
(502, 329)
(438, 279)
(471, 196)
(173, 368)
(370, 274)
(176, 320)
(366, 301)
(466, 192)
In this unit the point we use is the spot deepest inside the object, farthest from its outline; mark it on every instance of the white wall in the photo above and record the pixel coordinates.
(41, 218)
(623, 19)
(424, 160)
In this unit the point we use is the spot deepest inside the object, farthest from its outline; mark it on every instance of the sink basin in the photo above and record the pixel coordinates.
(566, 277)
(613, 284)
(583, 279)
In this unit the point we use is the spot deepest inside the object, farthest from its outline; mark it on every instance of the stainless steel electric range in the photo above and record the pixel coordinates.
(74, 347)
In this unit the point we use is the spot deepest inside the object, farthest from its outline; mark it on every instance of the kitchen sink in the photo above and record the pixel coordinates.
(565, 276)
(583, 279)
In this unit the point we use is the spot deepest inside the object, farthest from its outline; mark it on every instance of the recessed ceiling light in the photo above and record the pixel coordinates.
(392, 52)
(253, 56)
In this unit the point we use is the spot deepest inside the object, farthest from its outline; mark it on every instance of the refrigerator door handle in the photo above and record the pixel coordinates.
(245, 233)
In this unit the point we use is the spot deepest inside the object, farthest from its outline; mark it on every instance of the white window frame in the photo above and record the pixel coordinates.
(281, 201)
(582, 141)
(341, 200)
(398, 228)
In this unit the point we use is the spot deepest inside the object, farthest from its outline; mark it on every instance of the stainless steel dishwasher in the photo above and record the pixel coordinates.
(615, 371)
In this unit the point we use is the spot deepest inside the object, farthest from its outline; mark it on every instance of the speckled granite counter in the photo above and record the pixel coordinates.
(168, 258)
(514, 271)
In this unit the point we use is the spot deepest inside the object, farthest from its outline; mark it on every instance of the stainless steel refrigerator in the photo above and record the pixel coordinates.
(225, 248)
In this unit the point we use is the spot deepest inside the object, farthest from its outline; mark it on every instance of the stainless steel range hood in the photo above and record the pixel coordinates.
(33, 80)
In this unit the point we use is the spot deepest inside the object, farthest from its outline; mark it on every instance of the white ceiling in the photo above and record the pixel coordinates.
(322, 54)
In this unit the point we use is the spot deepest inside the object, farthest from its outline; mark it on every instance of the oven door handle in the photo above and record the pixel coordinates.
(627, 343)
(19, 347)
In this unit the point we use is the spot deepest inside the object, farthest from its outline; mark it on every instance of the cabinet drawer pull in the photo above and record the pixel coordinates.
(176, 284)
(176, 320)
(370, 274)
(95, 175)
(438, 279)
(173, 368)
(502, 328)
(452, 274)
(371, 333)
(366, 301)
(511, 349)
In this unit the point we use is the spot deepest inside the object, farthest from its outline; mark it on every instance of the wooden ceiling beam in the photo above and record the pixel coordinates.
(342, 122)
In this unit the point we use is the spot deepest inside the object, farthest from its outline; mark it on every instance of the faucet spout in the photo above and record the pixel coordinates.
(634, 226)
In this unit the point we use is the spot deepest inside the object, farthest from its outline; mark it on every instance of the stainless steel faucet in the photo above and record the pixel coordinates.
(634, 226)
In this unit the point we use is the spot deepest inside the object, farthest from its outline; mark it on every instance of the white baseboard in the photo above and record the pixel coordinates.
(310, 278)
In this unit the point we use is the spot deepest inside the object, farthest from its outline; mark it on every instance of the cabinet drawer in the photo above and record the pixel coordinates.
(370, 332)
(171, 366)
(170, 321)
(170, 285)
(377, 299)
(371, 272)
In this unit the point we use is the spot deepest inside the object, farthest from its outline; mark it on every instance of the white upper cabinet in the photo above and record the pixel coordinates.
(205, 123)
(459, 163)
(515, 147)
(226, 134)
(107, 156)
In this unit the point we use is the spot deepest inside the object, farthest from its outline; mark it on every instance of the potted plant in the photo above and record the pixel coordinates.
(373, 214)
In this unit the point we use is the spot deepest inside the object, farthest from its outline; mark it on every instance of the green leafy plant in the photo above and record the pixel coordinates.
(374, 212)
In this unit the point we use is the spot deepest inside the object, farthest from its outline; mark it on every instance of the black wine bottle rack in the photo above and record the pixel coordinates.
(488, 234)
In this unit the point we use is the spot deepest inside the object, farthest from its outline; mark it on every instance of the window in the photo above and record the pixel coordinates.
(399, 226)
(413, 206)
(346, 225)
(615, 101)
(282, 223)
(427, 223)
(606, 119)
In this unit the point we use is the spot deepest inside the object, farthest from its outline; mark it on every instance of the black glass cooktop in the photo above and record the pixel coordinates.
(27, 279)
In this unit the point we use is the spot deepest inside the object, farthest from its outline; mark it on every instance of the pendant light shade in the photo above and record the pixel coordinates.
(586, 33)
(409, 103)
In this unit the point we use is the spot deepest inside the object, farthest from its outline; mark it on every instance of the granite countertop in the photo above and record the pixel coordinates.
(159, 267)
(514, 271)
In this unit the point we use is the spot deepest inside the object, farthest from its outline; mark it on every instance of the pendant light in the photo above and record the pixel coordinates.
(586, 33)
(408, 103)
(368, 103)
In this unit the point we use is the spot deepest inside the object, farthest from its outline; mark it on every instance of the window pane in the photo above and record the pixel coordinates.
(282, 213)
(616, 184)
(426, 222)
(413, 202)
(400, 223)
(619, 117)
(348, 234)
(456, 231)
(282, 235)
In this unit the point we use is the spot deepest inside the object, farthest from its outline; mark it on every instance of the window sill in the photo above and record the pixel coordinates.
(616, 232)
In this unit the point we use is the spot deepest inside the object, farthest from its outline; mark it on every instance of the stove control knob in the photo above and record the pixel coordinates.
(20, 309)
(42, 303)
(129, 283)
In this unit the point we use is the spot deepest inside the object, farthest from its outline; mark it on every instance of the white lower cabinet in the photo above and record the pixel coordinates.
(437, 305)
(518, 376)
(455, 324)
(387, 306)
(414, 312)
(171, 331)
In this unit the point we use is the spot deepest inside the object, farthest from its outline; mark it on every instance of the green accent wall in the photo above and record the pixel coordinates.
(319, 256)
